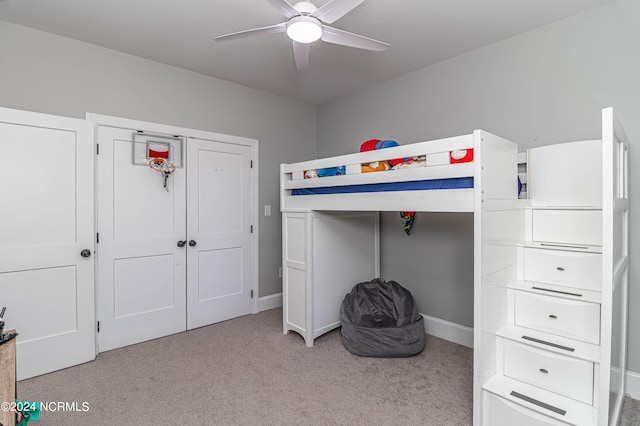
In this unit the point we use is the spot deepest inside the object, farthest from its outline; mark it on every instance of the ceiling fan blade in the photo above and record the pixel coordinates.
(278, 28)
(335, 9)
(344, 38)
(284, 7)
(301, 55)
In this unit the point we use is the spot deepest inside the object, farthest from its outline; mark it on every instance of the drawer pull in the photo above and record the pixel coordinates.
(555, 345)
(556, 291)
(538, 403)
(563, 246)
(544, 371)
(553, 316)
(560, 268)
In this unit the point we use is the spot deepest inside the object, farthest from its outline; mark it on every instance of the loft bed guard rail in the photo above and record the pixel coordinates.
(441, 181)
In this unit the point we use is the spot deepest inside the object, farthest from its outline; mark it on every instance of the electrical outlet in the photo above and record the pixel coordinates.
(267, 210)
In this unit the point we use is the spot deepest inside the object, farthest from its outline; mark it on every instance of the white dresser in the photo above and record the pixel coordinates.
(553, 340)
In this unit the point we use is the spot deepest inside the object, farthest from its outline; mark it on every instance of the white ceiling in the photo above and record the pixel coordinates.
(181, 33)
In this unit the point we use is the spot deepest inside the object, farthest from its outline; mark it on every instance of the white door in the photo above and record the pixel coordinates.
(219, 261)
(46, 222)
(141, 269)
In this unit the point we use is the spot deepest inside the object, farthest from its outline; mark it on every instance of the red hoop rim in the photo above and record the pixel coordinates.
(161, 165)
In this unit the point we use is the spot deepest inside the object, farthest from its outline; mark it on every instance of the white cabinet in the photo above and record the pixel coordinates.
(325, 255)
(554, 355)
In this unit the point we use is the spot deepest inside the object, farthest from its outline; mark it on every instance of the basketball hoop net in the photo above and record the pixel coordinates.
(163, 167)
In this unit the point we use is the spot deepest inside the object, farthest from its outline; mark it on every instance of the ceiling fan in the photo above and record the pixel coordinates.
(307, 23)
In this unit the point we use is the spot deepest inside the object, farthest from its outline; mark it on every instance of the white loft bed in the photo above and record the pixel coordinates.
(331, 243)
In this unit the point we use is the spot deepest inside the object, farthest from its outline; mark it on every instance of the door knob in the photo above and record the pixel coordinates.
(182, 243)
(85, 253)
(192, 243)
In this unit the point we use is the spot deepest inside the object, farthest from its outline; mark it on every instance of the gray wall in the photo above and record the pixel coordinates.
(542, 87)
(545, 86)
(46, 73)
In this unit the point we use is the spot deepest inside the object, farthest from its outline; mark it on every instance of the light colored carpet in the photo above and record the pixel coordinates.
(630, 412)
(246, 372)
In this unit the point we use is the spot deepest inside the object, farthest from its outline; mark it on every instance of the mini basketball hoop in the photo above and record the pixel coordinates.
(163, 167)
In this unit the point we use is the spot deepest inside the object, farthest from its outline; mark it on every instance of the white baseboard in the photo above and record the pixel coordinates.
(269, 302)
(450, 331)
(632, 384)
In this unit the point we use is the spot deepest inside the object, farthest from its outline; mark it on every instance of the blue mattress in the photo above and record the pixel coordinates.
(418, 185)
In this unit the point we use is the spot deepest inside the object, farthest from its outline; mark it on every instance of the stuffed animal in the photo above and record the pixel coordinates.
(373, 144)
(375, 166)
(310, 174)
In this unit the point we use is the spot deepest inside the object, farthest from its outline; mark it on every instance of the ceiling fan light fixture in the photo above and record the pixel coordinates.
(304, 29)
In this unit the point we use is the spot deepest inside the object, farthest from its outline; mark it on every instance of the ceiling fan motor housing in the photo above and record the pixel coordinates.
(305, 7)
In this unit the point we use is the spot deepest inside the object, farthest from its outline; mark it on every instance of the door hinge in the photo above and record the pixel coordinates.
(97, 149)
(97, 237)
(252, 294)
(251, 164)
(98, 326)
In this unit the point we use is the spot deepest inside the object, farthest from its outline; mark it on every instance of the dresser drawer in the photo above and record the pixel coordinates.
(564, 317)
(500, 412)
(567, 227)
(568, 268)
(561, 374)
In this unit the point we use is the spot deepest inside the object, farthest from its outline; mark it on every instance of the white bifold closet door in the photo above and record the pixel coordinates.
(219, 278)
(47, 239)
(150, 286)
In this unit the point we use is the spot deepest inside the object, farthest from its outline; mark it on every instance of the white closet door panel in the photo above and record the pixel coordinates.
(220, 206)
(226, 266)
(41, 159)
(46, 221)
(219, 275)
(143, 285)
(141, 270)
(140, 204)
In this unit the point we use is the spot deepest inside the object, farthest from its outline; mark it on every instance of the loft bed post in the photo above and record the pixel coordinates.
(615, 270)
(498, 229)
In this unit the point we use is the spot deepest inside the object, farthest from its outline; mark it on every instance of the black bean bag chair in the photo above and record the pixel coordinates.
(380, 319)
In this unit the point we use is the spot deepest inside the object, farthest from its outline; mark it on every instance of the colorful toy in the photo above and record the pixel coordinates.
(373, 144)
(407, 221)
